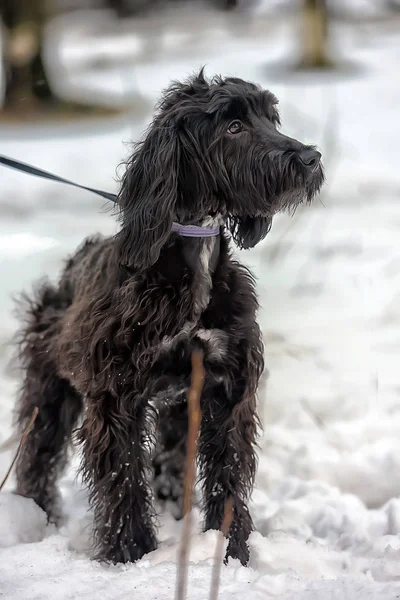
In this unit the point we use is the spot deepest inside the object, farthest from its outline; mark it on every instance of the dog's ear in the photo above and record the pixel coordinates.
(249, 231)
(148, 196)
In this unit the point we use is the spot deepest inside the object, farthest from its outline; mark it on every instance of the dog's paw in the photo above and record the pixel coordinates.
(168, 489)
(238, 549)
(128, 551)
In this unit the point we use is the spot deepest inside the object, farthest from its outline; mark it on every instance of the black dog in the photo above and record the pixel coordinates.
(116, 334)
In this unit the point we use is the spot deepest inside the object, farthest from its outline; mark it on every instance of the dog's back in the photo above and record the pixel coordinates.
(86, 269)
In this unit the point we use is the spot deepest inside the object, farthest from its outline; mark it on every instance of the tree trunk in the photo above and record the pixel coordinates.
(315, 35)
(26, 80)
(28, 93)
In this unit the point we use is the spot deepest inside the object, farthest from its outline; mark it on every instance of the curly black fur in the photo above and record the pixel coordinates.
(116, 333)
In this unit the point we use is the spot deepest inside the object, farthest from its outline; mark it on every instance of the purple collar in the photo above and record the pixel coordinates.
(195, 230)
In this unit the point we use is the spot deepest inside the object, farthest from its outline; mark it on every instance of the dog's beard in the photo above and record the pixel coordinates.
(290, 199)
(263, 184)
(282, 189)
(248, 231)
(287, 186)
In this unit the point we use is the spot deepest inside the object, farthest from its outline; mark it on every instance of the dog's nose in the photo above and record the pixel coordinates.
(310, 158)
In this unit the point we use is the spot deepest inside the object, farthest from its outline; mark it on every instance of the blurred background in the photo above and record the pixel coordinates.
(78, 82)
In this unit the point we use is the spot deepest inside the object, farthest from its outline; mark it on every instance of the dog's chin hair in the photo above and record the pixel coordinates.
(290, 201)
(248, 231)
(299, 189)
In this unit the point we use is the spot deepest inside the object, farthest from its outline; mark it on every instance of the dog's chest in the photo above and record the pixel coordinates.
(173, 369)
(201, 256)
(175, 350)
(173, 363)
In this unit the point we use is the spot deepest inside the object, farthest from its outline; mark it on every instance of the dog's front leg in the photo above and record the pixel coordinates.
(227, 443)
(115, 460)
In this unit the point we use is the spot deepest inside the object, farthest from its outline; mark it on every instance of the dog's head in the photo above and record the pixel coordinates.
(213, 148)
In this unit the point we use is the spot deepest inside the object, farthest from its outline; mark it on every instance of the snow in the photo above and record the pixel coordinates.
(22, 521)
(327, 499)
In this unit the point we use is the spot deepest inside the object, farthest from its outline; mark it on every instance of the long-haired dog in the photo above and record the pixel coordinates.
(114, 338)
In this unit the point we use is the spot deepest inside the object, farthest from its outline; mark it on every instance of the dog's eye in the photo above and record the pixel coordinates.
(235, 127)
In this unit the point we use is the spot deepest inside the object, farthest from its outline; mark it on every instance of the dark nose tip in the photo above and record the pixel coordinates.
(310, 158)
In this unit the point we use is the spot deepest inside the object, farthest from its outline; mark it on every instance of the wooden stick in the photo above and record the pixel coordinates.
(194, 421)
(21, 443)
(219, 549)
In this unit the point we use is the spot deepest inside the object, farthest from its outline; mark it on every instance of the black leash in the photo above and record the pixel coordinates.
(196, 231)
(30, 170)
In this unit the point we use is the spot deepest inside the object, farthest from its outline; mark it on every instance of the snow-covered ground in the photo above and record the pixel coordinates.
(326, 504)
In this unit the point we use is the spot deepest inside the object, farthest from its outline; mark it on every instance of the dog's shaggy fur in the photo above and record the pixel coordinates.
(114, 337)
